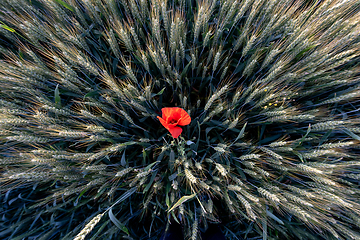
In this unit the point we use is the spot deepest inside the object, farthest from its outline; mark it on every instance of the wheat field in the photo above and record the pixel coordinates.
(272, 88)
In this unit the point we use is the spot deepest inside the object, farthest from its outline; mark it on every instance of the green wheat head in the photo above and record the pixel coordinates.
(272, 88)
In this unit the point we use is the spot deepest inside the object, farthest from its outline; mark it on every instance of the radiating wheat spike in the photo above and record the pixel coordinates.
(198, 21)
(195, 230)
(343, 97)
(215, 96)
(338, 145)
(252, 173)
(230, 13)
(134, 34)
(190, 176)
(113, 43)
(247, 206)
(26, 138)
(94, 14)
(193, 60)
(248, 45)
(146, 203)
(234, 188)
(304, 215)
(135, 11)
(262, 172)
(318, 153)
(324, 180)
(89, 227)
(45, 161)
(297, 199)
(9, 161)
(271, 153)
(250, 156)
(278, 144)
(222, 170)
(216, 60)
(353, 176)
(351, 234)
(250, 67)
(124, 35)
(331, 196)
(269, 195)
(301, 191)
(218, 109)
(204, 185)
(309, 169)
(95, 167)
(249, 164)
(233, 123)
(72, 134)
(88, 65)
(72, 157)
(155, 24)
(29, 175)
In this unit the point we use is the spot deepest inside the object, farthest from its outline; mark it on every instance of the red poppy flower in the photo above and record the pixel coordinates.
(172, 118)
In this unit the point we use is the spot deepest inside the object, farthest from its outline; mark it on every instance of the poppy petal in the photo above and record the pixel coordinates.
(175, 131)
(167, 112)
(163, 122)
(184, 117)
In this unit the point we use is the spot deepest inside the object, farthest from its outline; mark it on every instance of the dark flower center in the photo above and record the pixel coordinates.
(173, 121)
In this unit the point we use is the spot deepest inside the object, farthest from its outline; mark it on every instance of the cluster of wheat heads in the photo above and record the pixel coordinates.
(271, 87)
